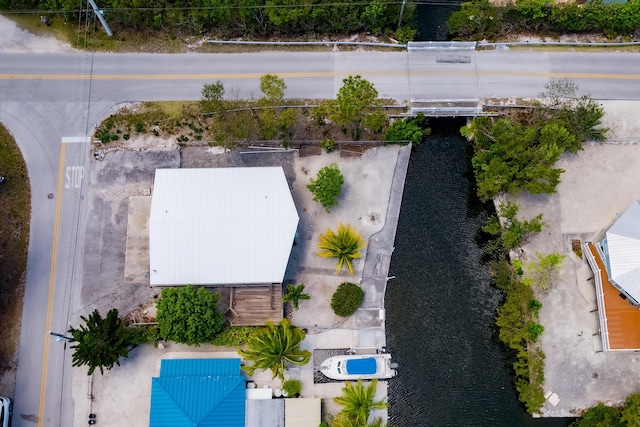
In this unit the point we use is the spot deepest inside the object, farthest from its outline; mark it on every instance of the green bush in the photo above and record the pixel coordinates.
(510, 232)
(535, 305)
(519, 331)
(147, 334)
(535, 330)
(293, 388)
(328, 144)
(189, 315)
(405, 34)
(327, 185)
(408, 130)
(346, 299)
(233, 336)
(600, 415)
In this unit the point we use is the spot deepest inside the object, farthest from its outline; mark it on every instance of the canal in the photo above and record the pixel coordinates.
(453, 371)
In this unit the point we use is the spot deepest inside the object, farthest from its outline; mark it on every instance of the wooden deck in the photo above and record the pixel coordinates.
(623, 319)
(254, 305)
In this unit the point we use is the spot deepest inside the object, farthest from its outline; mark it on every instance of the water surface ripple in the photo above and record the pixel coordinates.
(441, 305)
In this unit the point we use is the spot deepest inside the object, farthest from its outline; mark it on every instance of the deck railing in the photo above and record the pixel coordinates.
(597, 278)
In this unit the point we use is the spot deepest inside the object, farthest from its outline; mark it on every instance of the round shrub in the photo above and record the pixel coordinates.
(292, 387)
(346, 299)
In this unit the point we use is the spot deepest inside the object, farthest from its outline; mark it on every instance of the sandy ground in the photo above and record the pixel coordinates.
(363, 204)
(14, 39)
(600, 182)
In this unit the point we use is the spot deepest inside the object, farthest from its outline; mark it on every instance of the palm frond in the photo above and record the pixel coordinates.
(344, 245)
(357, 401)
(272, 346)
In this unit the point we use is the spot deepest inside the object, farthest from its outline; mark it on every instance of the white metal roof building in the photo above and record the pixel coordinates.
(621, 249)
(223, 226)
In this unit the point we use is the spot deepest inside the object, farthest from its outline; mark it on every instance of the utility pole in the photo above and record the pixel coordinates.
(404, 2)
(100, 16)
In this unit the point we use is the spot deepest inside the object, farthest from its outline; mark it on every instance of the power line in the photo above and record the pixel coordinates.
(236, 7)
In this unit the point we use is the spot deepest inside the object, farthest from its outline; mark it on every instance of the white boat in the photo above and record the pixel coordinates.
(365, 366)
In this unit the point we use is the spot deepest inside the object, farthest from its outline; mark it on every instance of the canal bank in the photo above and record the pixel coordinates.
(441, 303)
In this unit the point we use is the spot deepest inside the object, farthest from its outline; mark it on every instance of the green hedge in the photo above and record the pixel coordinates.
(240, 17)
(518, 329)
(480, 20)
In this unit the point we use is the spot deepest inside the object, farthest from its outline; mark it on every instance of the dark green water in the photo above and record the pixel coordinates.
(440, 307)
(431, 20)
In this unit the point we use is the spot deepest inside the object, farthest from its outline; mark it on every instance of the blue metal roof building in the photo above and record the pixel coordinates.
(198, 393)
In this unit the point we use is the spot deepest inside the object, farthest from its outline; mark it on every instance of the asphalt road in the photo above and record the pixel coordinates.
(45, 97)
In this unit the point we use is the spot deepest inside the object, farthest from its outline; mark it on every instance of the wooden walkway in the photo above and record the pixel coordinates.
(623, 319)
(254, 305)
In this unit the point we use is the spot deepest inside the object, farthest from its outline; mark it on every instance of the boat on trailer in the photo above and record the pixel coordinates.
(354, 366)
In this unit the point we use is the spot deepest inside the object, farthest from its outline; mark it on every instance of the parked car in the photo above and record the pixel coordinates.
(6, 408)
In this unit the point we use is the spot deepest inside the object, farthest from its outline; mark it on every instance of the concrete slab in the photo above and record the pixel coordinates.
(122, 395)
(136, 268)
(599, 182)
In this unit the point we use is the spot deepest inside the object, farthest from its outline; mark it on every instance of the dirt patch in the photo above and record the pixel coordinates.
(143, 313)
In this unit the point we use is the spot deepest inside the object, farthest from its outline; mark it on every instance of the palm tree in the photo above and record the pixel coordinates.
(102, 342)
(272, 346)
(357, 401)
(341, 420)
(344, 245)
(295, 294)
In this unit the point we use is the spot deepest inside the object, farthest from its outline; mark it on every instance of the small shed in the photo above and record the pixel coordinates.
(220, 226)
(621, 249)
(198, 393)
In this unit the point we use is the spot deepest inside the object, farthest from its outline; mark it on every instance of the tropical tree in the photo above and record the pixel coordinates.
(273, 346)
(544, 271)
(509, 231)
(295, 294)
(357, 401)
(327, 185)
(357, 102)
(101, 342)
(345, 245)
(212, 98)
(189, 315)
(273, 88)
(510, 157)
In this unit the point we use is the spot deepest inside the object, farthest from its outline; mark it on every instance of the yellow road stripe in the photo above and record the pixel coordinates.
(310, 74)
(52, 279)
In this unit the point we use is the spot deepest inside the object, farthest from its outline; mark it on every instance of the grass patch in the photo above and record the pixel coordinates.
(15, 213)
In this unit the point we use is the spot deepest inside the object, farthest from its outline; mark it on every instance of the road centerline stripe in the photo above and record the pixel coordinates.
(52, 279)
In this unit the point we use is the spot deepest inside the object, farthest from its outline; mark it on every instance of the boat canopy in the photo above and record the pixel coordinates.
(366, 366)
